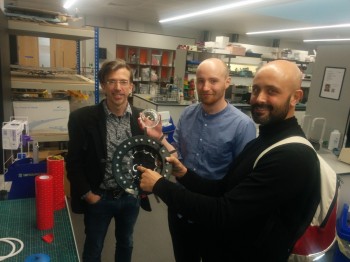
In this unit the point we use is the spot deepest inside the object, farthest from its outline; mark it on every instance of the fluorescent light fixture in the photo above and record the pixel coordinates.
(327, 40)
(299, 29)
(213, 10)
(68, 4)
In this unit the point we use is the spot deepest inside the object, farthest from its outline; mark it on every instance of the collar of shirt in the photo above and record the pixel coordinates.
(108, 112)
(213, 116)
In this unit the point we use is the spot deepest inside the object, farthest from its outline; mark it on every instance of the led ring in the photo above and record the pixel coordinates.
(134, 151)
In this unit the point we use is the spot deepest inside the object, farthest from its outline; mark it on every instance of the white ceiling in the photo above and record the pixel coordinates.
(277, 14)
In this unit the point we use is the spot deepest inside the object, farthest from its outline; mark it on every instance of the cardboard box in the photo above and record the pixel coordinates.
(220, 51)
(345, 155)
(236, 49)
(192, 48)
(210, 44)
(44, 116)
(221, 41)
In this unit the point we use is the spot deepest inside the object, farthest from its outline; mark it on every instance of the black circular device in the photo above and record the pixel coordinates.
(139, 151)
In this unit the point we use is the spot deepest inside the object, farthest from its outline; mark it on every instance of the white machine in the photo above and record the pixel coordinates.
(12, 132)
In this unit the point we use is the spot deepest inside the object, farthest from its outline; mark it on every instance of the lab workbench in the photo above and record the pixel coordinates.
(343, 171)
(18, 220)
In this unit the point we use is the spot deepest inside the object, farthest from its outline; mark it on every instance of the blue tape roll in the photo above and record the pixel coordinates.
(38, 258)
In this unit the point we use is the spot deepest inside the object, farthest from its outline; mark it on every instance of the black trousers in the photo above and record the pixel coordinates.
(192, 242)
(184, 236)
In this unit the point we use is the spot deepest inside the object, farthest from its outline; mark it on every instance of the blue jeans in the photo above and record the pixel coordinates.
(97, 218)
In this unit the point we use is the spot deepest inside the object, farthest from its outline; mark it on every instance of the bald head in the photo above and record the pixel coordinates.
(216, 63)
(212, 80)
(275, 92)
(286, 71)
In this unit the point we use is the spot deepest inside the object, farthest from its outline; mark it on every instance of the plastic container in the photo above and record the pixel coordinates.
(342, 249)
(150, 117)
(156, 59)
(334, 139)
(169, 130)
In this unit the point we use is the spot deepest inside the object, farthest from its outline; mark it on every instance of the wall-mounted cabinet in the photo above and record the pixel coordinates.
(152, 68)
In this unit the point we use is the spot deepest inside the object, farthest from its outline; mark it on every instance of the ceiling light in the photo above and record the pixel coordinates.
(299, 29)
(327, 40)
(68, 4)
(212, 10)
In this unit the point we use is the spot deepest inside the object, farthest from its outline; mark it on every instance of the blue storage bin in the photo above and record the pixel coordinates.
(343, 232)
(168, 131)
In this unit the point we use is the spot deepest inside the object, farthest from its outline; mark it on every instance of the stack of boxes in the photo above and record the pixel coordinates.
(222, 45)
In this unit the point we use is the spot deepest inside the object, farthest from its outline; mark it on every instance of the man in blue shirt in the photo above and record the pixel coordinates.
(208, 137)
(259, 209)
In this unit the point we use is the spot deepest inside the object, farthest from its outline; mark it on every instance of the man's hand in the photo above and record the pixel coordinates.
(148, 178)
(92, 198)
(155, 132)
(179, 170)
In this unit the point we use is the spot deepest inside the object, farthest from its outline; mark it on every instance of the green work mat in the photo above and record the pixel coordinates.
(18, 220)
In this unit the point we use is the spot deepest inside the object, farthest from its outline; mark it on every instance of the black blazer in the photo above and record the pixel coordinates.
(87, 150)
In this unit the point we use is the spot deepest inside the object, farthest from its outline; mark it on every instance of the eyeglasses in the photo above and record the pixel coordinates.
(115, 82)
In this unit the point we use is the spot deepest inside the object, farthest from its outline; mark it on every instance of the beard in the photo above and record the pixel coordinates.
(271, 113)
(212, 97)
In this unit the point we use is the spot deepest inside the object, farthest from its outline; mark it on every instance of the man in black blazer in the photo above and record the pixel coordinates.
(94, 133)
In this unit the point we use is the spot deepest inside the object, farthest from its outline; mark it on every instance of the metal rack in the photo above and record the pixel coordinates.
(77, 82)
(169, 93)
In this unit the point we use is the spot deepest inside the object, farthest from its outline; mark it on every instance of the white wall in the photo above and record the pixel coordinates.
(335, 111)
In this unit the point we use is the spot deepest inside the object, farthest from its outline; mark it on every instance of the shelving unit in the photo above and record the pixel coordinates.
(17, 27)
(52, 78)
(21, 80)
(242, 68)
(153, 68)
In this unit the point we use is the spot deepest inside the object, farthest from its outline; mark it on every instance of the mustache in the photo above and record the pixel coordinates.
(261, 106)
(118, 93)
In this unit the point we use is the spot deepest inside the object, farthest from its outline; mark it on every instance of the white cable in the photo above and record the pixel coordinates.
(10, 240)
(2, 258)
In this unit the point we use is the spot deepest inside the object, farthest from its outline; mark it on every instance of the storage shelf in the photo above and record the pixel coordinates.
(45, 137)
(148, 64)
(291, 60)
(60, 82)
(186, 59)
(48, 30)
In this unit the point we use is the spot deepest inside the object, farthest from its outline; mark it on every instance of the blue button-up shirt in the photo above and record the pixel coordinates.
(208, 143)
